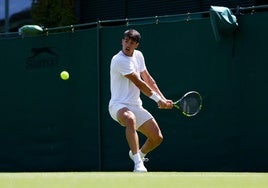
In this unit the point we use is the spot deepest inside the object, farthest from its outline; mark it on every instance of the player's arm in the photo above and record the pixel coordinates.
(142, 85)
(151, 83)
(146, 90)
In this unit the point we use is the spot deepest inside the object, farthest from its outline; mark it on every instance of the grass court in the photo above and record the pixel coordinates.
(134, 180)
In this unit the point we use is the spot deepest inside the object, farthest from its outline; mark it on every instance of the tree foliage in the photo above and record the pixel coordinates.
(53, 13)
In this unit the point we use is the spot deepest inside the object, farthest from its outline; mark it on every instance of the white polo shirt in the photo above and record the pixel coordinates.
(122, 89)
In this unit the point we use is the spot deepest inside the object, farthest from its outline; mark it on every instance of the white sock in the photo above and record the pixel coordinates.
(137, 158)
(142, 154)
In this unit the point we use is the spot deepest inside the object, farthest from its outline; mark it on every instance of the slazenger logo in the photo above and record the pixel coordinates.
(43, 57)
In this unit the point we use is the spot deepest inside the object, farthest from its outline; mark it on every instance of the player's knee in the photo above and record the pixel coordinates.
(158, 140)
(127, 119)
(130, 120)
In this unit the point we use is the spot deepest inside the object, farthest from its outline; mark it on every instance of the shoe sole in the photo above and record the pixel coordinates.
(139, 171)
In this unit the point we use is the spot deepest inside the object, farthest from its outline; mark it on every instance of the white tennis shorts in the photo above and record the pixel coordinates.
(142, 115)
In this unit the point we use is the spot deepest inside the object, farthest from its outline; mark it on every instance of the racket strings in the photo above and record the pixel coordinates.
(190, 105)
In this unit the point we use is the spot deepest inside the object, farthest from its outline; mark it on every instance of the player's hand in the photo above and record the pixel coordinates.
(165, 104)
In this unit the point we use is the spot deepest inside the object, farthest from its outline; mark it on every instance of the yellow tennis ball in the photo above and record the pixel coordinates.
(64, 75)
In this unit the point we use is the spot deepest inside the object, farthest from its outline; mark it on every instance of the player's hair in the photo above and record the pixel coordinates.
(133, 35)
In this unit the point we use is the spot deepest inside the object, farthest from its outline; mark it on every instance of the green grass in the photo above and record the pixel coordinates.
(131, 180)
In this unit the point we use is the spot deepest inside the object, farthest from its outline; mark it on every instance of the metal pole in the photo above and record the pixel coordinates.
(99, 91)
(6, 16)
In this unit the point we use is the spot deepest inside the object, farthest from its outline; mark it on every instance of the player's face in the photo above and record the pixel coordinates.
(128, 46)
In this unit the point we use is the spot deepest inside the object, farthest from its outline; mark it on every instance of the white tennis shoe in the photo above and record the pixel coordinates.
(144, 159)
(139, 167)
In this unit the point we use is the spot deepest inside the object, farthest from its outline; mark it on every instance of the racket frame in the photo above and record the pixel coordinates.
(175, 104)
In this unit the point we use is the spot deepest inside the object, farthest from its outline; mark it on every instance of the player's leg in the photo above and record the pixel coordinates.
(128, 119)
(153, 133)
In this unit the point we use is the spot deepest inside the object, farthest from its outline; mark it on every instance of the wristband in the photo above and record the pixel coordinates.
(155, 97)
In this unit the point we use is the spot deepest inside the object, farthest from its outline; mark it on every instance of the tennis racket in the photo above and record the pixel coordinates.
(189, 104)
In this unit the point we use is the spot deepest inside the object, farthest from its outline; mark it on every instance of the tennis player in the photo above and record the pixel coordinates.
(129, 77)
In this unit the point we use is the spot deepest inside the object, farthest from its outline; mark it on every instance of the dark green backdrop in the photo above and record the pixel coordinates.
(48, 124)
